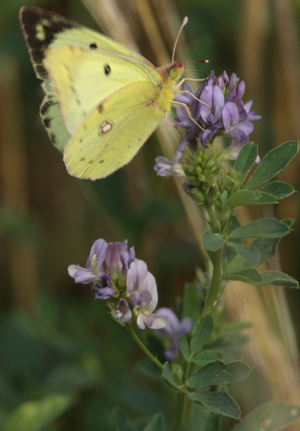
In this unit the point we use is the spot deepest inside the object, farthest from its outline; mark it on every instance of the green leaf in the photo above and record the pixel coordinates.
(278, 189)
(218, 373)
(156, 423)
(212, 241)
(206, 357)
(231, 341)
(266, 227)
(122, 423)
(217, 402)
(250, 197)
(236, 264)
(267, 248)
(36, 415)
(203, 419)
(234, 326)
(278, 278)
(201, 333)
(184, 347)
(249, 254)
(273, 163)
(168, 376)
(247, 276)
(191, 302)
(272, 416)
(246, 159)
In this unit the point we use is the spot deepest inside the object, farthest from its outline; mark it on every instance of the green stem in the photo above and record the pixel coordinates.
(179, 411)
(213, 220)
(214, 290)
(142, 346)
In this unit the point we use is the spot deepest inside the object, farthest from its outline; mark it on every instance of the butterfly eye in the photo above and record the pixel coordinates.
(107, 69)
(93, 46)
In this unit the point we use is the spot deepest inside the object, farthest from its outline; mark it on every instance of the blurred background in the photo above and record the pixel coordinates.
(54, 338)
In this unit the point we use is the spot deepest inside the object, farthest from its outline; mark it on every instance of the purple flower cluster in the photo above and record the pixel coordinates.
(218, 110)
(122, 279)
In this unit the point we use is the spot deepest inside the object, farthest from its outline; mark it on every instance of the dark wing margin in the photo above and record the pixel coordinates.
(40, 29)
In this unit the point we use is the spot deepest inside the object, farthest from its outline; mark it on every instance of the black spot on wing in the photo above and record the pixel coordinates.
(107, 69)
(40, 29)
(53, 138)
(93, 46)
(47, 122)
(46, 106)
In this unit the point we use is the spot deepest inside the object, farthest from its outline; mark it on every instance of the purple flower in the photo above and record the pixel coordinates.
(123, 280)
(142, 293)
(122, 312)
(105, 262)
(173, 330)
(165, 167)
(92, 271)
(219, 111)
(118, 256)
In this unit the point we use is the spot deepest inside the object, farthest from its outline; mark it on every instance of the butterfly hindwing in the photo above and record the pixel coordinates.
(111, 135)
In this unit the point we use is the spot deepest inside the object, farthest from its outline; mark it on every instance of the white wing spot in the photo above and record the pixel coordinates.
(40, 32)
(105, 127)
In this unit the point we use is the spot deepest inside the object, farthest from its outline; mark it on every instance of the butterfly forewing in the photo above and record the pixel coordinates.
(44, 29)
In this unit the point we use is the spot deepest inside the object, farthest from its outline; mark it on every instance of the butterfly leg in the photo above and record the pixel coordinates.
(189, 113)
(174, 125)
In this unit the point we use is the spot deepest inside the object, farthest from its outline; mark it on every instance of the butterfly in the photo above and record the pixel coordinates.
(102, 100)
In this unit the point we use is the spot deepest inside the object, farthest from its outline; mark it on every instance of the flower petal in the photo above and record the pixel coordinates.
(81, 275)
(137, 271)
(99, 250)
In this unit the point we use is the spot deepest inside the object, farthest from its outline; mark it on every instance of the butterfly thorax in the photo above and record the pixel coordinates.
(170, 73)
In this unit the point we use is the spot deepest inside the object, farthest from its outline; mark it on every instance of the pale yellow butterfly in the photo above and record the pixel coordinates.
(102, 100)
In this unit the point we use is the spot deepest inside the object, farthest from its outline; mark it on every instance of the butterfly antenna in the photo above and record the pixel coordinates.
(184, 22)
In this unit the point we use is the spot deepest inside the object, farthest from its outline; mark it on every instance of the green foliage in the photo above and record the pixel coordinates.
(203, 419)
(155, 424)
(273, 163)
(218, 373)
(36, 415)
(272, 416)
(246, 159)
(265, 227)
(240, 261)
(191, 302)
(201, 334)
(217, 402)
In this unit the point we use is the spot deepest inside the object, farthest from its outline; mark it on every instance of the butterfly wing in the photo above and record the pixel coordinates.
(102, 98)
(110, 137)
(43, 31)
(84, 78)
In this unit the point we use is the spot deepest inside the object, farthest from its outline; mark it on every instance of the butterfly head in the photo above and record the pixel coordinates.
(172, 71)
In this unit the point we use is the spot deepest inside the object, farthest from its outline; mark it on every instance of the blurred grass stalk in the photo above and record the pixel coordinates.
(18, 254)
(273, 347)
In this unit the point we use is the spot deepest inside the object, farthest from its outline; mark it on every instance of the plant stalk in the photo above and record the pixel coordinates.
(179, 411)
(214, 290)
(142, 346)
